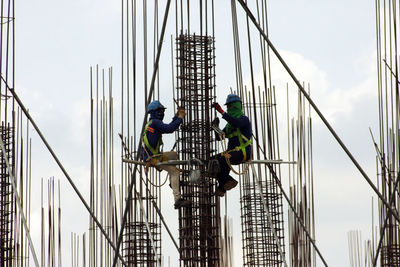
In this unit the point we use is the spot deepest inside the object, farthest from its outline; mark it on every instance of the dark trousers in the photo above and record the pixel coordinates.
(224, 169)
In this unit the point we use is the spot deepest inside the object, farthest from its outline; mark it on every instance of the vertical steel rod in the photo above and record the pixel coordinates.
(149, 97)
(316, 109)
(391, 202)
(18, 201)
(62, 167)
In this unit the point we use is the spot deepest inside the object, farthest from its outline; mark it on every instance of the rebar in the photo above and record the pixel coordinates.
(388, 158)
(6, 196)
(259, 236)
(199, 224)
(127, 207)
(8, 213)
(316, 109)
(301, 187)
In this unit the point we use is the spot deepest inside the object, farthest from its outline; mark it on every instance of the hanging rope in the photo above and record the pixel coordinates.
(150, 182)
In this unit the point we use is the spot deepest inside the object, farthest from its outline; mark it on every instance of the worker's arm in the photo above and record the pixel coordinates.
(240, 122)
(167, 128)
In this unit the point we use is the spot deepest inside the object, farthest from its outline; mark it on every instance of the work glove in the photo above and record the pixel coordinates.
(215, 122)
(218, 108)
(181, 112)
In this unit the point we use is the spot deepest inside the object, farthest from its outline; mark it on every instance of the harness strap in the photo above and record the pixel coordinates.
(243, 144)
(153, 150)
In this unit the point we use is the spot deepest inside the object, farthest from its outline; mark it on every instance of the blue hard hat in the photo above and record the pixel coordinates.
(154, 106)
(232, 98)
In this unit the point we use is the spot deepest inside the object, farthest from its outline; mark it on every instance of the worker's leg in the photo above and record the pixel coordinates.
(225, 181)
(173, 173)
(173, 179)
(171, 155)
(224, 169)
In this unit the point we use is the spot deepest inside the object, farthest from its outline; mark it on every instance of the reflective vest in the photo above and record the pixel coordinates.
(153, 150)
(242, 145)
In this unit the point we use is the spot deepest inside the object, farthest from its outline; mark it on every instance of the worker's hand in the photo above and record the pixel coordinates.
(181, 112)
(215, 122)
(218, 108)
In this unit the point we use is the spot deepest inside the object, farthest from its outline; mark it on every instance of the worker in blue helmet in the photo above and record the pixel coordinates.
(152, 142)
(238, 131)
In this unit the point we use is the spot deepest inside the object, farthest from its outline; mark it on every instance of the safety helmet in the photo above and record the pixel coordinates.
(154, 106)
(232, 98)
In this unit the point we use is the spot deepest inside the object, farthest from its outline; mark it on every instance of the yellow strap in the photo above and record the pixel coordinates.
(153, 150)
(241, 147)
(241, 136)
(242, 144)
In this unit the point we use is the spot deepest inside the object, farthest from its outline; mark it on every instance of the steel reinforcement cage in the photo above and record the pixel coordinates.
(258, 242)
(138, 250)
(6, 199)
(199, 224)
(259, 246)
(138, 247)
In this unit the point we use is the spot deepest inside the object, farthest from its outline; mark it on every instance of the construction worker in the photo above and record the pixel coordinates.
(238, 131)
(152, 141)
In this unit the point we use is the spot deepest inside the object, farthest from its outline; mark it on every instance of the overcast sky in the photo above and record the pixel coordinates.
(329, 44)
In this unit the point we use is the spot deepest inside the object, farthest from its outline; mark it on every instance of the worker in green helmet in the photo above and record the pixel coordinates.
(238, 131)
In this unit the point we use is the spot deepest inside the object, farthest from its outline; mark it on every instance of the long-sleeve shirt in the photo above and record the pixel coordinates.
(155, 130)
(243, 123)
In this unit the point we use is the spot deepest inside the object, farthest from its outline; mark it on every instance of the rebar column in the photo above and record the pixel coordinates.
(137, 248)
(259, 244)
(6, 200)
(8, 253)
(199, 224)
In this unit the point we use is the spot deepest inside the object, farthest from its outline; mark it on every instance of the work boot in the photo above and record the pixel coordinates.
(220, 192)
(182, 203)
(231, 183)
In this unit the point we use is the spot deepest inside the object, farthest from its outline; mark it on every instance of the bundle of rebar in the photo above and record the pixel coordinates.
(51, 254)
(360, 253)
(102, 188)
(301, 185)
(388, 146)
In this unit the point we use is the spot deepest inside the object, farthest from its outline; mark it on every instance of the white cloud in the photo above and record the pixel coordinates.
(331, 101)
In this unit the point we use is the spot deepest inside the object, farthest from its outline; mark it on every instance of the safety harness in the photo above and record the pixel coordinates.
(153, 150)
(242, 144)
(156, 156)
